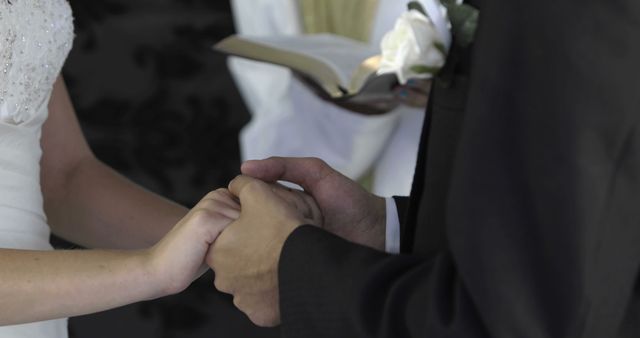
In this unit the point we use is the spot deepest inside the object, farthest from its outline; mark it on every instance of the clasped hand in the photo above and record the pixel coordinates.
(246, 254)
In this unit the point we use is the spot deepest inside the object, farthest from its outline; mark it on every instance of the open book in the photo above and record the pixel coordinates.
(339, 68)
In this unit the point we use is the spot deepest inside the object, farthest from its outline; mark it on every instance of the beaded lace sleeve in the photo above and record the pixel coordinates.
(35, 38)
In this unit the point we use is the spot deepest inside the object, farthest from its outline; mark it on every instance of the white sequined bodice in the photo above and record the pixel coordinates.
(35, 38)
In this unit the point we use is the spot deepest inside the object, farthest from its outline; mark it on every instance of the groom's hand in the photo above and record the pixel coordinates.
(349, 211)
(245, 256)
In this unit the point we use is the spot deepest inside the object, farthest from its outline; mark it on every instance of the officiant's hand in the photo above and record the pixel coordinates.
(245, 256)
(414, 94)
(349, 211)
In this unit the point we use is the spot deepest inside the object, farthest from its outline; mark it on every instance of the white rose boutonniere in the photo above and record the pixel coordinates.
(413, 49)
(416, 48)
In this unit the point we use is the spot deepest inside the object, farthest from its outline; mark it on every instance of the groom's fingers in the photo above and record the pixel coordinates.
(306, 172)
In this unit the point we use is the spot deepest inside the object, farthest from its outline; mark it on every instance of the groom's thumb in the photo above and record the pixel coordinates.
(266, 170)
(305, 172)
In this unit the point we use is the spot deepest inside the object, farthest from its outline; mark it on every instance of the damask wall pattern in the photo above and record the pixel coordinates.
(158, 105)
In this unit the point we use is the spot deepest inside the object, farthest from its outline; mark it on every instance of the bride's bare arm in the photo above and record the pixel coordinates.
(87, 202)
(45, 285)
(41, 285)
(90, 204)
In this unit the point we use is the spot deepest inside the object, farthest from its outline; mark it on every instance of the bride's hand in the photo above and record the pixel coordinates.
(301, 201)
(178, 258)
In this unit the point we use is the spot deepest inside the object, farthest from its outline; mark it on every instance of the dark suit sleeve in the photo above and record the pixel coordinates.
(543, 210)
(332, 288)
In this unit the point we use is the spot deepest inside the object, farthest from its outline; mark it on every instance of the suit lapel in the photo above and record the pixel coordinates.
(424, 231)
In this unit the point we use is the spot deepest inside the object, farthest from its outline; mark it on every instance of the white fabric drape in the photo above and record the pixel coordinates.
(289, 120)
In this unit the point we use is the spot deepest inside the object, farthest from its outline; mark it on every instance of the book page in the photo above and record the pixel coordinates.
(342, 55)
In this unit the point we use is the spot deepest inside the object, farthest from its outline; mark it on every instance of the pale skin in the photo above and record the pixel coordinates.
(149, 247)
(246, 255)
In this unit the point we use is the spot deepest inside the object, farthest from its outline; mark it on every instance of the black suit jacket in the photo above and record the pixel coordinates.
(524, 219)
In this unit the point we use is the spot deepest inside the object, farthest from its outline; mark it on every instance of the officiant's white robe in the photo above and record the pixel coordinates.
(289, 120)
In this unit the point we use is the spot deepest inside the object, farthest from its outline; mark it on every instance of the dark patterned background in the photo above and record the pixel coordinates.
(160, 107)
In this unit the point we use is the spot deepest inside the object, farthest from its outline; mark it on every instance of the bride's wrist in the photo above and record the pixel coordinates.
(155, 274)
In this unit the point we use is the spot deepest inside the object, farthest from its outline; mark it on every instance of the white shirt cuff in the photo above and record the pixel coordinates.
(392, 242)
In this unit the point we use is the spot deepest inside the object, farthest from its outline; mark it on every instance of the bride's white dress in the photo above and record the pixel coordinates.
(35, 38)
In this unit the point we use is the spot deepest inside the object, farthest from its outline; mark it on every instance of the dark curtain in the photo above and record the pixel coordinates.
(158, 105)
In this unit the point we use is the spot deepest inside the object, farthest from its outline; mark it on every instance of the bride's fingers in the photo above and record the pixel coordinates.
(302, 201)
(224, 196)
(289, 196)
(313, 212)
(232, 214)
(220, 201)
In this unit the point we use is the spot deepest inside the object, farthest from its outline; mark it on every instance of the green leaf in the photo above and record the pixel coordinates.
(468, 29)
(440, 47)
(424, 69)
(417, 6)
(464, 22)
